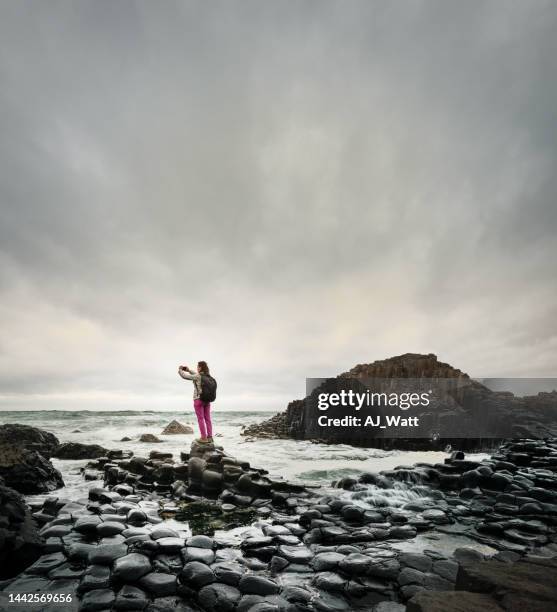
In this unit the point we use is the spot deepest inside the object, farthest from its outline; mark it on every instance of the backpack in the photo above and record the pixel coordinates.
(208, 388)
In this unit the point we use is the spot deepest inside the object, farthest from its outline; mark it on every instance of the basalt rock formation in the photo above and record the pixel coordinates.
(306, 550)
(24, 463)
(486, 416)
(20, 542)
(76, 450)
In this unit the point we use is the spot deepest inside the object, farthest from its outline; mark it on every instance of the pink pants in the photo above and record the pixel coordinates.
(203, 413)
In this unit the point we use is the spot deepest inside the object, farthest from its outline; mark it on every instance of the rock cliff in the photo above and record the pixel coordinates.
(487, 416)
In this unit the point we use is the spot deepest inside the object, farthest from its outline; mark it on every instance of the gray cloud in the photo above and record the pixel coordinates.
(284, 189)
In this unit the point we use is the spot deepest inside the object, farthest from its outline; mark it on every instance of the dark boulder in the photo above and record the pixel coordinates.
(32, 438)
(27, 471)
(75, 450)
(20, 543)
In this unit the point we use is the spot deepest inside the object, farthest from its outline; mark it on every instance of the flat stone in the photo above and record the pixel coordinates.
(329, 581)
(193, 553)
(326, 561)
(46, 563)
(130, 598)
(96, 577)
(415, 560)
(110, 528)
(196, 574)
(461, 601)
(258, 585)
(411, 576)
(158, 585)
(79, 551)
(99, 599)
(131, 567)
(219, 597)
(200, 541)
(106, 554)
(164, 532)
(87, 524)
(66, 572)
(296, 554)
(355, 564)
(446, 569)
(228, 572)
(170, 545)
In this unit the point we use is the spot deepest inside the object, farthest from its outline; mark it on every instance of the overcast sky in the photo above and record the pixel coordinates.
(284, 189)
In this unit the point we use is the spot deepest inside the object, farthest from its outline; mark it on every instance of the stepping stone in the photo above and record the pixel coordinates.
(106, 554)
(159, 585)
(110, 528)
(130, 598)
(219, 597)
(258, 585)
(46, 563)
(196, 574)
(99, 599)
(131, 567)
(201, 541)
(296, 554)
(326, 561)
(96, 577)
(204, 555)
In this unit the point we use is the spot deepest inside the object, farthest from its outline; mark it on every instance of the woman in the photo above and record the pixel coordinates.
(202, 409)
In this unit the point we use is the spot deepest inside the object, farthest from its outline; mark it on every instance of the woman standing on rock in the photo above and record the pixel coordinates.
(204, 392)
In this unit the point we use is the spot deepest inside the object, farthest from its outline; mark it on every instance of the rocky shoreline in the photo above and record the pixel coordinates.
(207, 531)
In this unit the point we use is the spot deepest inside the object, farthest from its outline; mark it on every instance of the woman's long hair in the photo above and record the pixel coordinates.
(203, 367)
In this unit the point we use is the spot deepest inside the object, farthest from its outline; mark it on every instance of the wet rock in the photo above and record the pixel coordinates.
(329, 581)
(200, 541)
(149, 437)
(20, 542)
(219, 597)
(79, 551)
(467, 555)
(32, 438)
(417, 561)
(193, 553)
(46, 563)
(228, 572)
(163, 532)
(159, 585)
(326, 561)
(277, 564)
(136, 517)
(27, 471)
(76, 450)
(130, 598)
(170, 545)
(98, 599)
(131, 567)
(258, 585)
(389, 606)
(196, 574)
(411, 576)
(96, 577)
(175, 427)
(87, 524)
(355, 564)
(109, 528)
(435, 516)
(106, 554)
(446, 569)
(427, 601)
(296, 554)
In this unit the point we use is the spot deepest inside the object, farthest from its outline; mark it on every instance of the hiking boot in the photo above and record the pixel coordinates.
(202, 440)
(210, 440)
